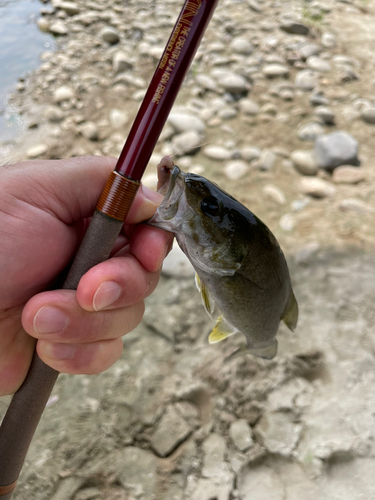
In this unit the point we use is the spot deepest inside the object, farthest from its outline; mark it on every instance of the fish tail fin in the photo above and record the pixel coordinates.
(290, 315)
(268, 352)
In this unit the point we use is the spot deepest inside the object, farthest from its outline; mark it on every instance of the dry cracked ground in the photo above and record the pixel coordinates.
(278, 107)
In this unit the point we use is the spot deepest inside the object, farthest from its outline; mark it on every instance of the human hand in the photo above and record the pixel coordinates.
(44, 211)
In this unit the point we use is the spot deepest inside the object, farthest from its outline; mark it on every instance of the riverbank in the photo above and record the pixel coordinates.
(278, 108)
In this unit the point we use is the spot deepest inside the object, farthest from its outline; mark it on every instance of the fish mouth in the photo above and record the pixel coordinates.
(173, 187)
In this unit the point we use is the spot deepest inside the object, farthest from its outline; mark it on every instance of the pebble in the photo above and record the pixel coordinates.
(137, 471)
(63, 93)
(53, 114)
(306, 80)
(187, 143)
(241, 46)
(109, 34)
(71, 8)
(206, 82)
(318, 99)
(37, 150)
(214, 451)
(309, 49)
(295, 28)
(318, 188)
(177, 265)
(267, 160)
(170, 431)
(183, 121)
(121, 62)
(304, 162)
(249, 153)
(58, 28)
(217, 153)
(43, 24)
(275, 70)
(90, 131)
(234, 84)
(279, 434)
(335, 149)
(241, 434)
(287, 222)
(118, 118)
(325, 114)
(355, 205)
(348, 175)
(275, 194)
(368, 114)
(248, 107)
(328, 40)
(318, 64)
(254, 5)
(310, 131)
(236, 169)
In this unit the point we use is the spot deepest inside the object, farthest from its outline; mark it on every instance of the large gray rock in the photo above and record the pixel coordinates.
(136, 471)
(278, 432)
(335, 149)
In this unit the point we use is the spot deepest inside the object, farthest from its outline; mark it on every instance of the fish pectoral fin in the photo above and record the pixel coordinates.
(290, 315)
(267, 352)
(221, 331)
(208, 302)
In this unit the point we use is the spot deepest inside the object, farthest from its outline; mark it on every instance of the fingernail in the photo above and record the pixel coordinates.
(50, 320)
(107, 293)
(151, 195)
(60, 351)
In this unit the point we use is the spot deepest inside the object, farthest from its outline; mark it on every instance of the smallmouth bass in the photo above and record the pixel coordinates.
(238, 262)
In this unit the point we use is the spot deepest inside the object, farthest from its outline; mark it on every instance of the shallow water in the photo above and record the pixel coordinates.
(21, 44)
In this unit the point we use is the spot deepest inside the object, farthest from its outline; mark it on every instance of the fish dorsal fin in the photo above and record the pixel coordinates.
(208, 302)
(221, 331)
(290, 315)
(267, 352)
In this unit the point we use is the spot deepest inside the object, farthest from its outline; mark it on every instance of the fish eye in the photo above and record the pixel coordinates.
(210, 206)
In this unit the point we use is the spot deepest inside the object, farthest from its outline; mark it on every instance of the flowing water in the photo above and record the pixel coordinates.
(21, 44)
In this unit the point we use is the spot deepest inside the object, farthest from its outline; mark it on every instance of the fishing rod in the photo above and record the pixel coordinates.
(28, 403)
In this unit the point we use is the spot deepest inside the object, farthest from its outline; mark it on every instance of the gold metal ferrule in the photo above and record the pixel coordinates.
(117, 196)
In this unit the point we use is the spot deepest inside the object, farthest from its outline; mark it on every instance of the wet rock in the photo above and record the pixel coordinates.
(170, 431)
(121, 62)
(182, 122)
(241, 434)
(236, 169)
(304, 162)
(241, 46)
(310, 131)
(306, 80)
(325, 114)
(348, 175)
(137, 472)
(275, 70)
(63, 93)
(43, 24)
(355, 205)
(248, 107)
(318, 64)
(278, 433)
(118, 118)
(109, 35)
(71, 8)
(217, 153)
(318, 188)
(335, 149)
(328, 40)
(90, 131)
(187, 143)
(37, 150)
(58, 28)
(295, 28)
(275, 194)
(249, 153)
(368, 114)
(266, 160)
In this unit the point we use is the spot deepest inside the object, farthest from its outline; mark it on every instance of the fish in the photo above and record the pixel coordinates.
(239, 264)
